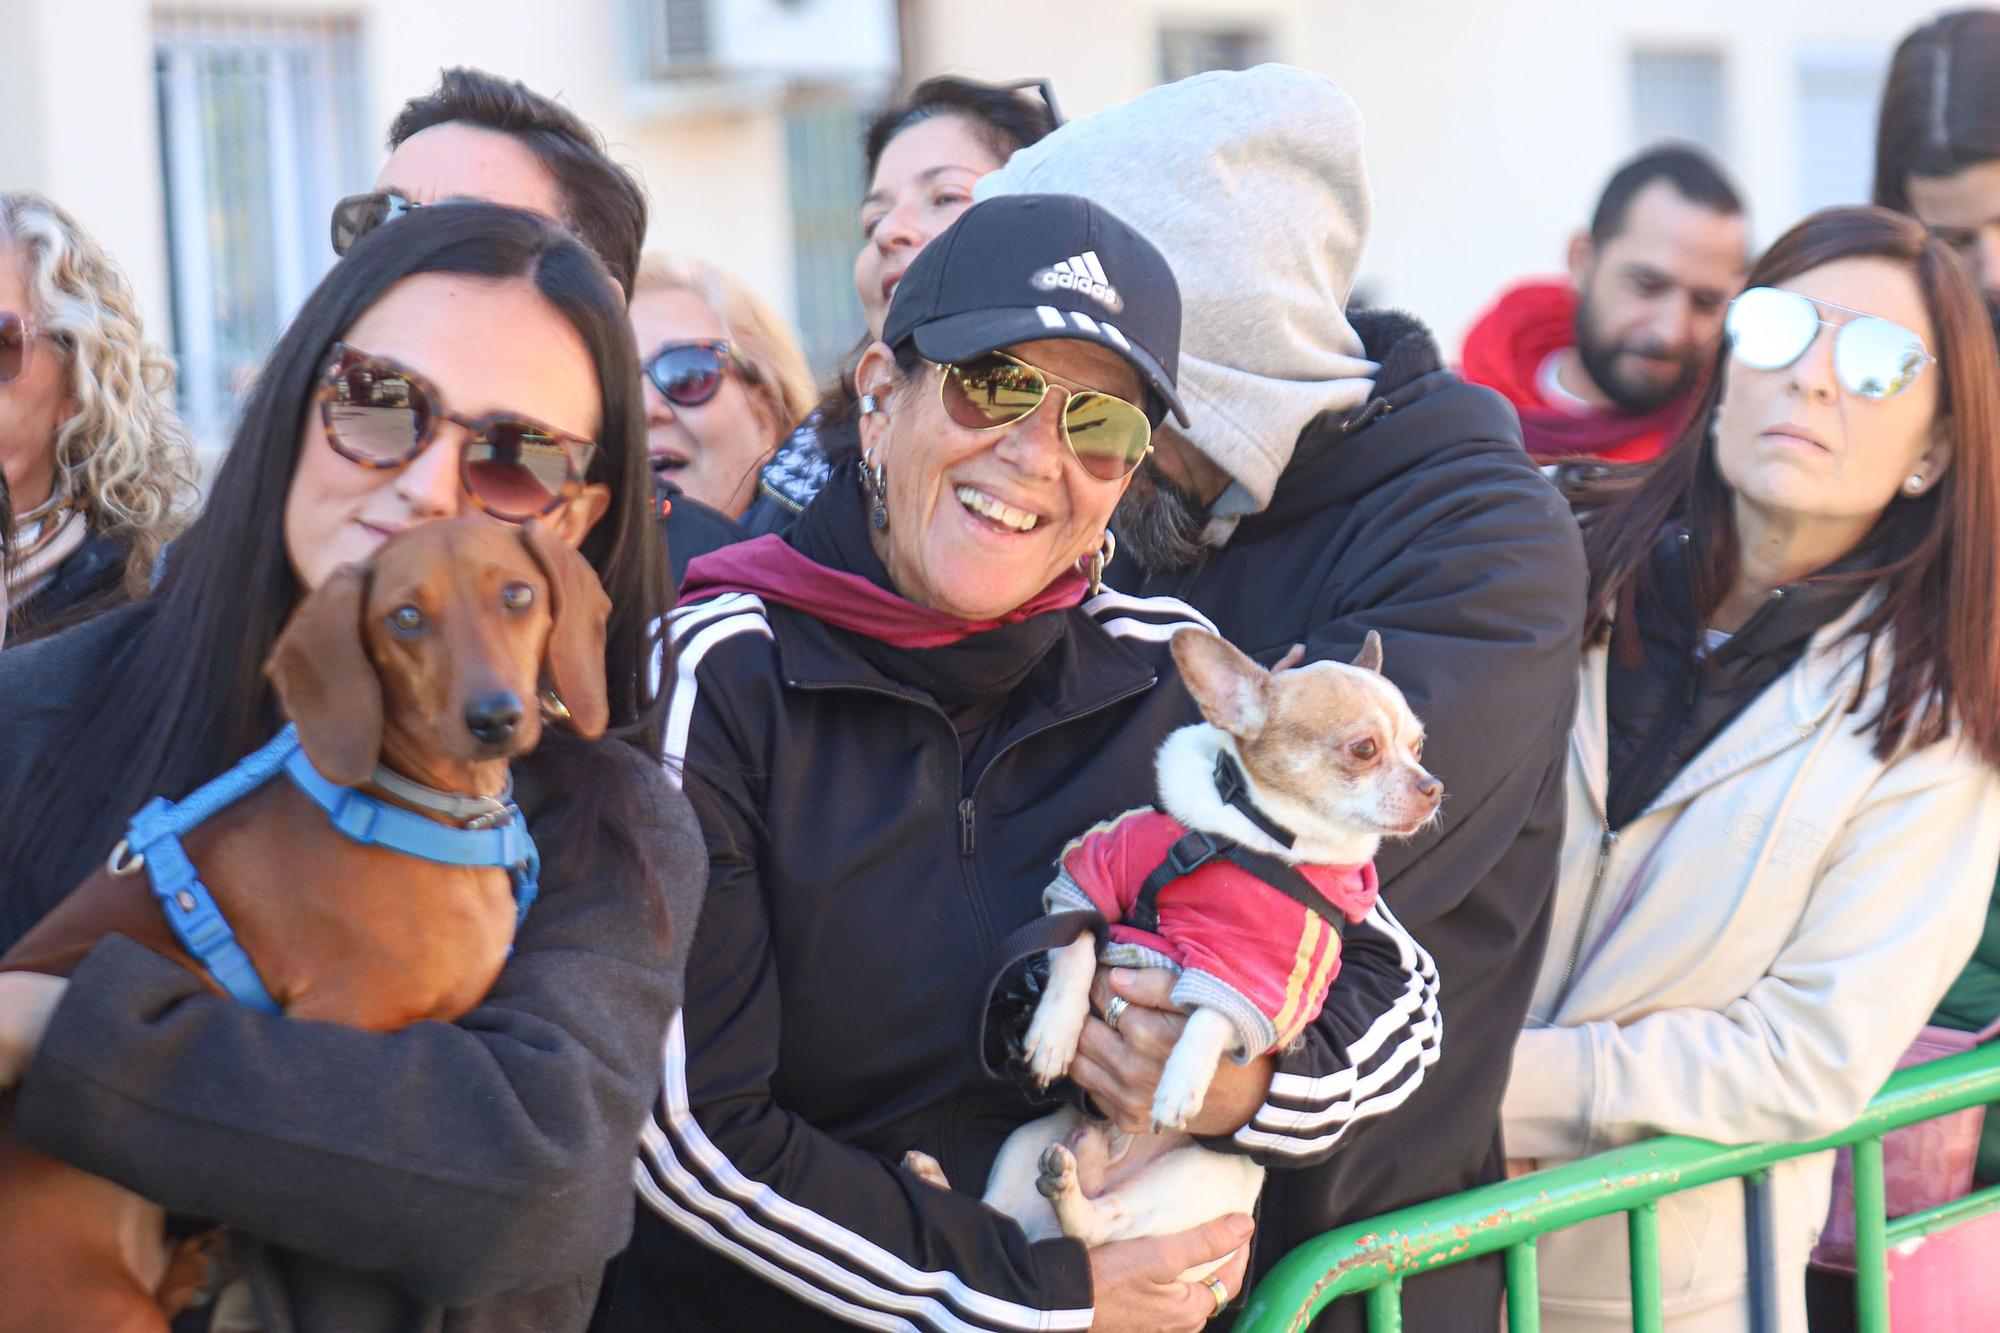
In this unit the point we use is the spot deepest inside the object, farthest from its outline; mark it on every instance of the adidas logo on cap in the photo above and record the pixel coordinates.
(1081, 273)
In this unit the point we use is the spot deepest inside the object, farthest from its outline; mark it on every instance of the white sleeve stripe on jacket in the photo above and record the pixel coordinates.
(1110, 599)
(751, 1210)
(702, 1230)
(703, 634)
(1358, 1091)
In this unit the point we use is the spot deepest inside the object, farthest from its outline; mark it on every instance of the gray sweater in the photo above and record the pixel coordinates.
(467, 1176)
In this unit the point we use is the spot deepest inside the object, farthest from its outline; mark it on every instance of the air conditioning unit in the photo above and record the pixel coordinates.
(715, 43)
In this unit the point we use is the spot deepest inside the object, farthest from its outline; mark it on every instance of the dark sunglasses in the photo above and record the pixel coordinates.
(689, 374)
(17, 345)
(359, 214)
(382, 415)
(1108, 435)
(1769, 328)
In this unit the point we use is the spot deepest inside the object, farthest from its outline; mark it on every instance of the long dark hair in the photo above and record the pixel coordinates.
(185, 696)
(1940, 105)
(1940, 566)
(1003, 119)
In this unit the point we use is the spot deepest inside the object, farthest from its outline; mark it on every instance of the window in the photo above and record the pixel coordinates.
(676, 36)
(259, 135)
(1839, 92)
(1187, 51)
(823, 166)
(1678, 95)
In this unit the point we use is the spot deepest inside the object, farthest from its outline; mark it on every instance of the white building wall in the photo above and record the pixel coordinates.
(1491, 127)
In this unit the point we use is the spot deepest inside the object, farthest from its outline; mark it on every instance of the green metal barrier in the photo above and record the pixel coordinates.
(1373, 1258)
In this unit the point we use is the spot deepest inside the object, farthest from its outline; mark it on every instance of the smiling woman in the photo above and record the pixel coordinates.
(1783, 813)
(471, 360)
(893, 718)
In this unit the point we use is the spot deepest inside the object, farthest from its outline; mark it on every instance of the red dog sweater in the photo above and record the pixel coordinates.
(1242, 947)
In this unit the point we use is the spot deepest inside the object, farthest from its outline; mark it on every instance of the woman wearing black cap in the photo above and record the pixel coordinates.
(891, 720)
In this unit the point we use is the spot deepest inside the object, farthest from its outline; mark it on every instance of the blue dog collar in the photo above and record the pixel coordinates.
(153, 838)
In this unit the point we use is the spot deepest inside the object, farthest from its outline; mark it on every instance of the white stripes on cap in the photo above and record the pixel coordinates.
(1052, 318)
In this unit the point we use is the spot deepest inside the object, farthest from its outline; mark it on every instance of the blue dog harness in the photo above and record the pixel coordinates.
(153, 839)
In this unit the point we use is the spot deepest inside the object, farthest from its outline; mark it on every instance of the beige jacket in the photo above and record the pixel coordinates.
(1743, 961)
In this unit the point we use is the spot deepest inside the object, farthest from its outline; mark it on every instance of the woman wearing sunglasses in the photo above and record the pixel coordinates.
(923, 155)
(102, 471)
(1782, 816)
(467, 359)
(891, 720)
(725, 381)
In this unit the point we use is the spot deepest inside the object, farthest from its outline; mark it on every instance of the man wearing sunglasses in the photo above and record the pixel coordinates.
(1334, 479)
(1604, 365)
(480, 136)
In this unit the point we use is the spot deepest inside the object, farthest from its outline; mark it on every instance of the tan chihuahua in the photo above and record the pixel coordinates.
(1271, 814)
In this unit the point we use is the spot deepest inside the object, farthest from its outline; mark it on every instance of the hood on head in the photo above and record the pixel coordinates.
(1202, 167)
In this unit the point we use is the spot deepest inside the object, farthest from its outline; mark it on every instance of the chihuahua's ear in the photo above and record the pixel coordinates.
(574, 658)
(325, 681)
(1293, 656)
(1230, 688)
(1370, 656)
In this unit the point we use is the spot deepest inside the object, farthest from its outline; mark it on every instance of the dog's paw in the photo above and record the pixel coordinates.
(925, 1168)
(1051, 1045)
(1176, 1101)
(1058, 1178)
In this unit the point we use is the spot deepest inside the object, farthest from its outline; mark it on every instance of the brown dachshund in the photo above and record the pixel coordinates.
(430, 662)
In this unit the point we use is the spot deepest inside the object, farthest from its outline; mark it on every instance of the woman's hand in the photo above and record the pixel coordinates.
(1136, 1284)
(27, 1000)
(1121, 1068)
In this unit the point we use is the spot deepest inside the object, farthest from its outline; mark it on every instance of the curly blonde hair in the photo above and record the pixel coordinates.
(125, 454)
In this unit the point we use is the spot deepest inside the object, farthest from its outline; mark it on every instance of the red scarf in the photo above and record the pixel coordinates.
(772, 569)
(1506, 350)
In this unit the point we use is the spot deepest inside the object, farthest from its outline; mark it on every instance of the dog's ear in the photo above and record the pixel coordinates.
(1230, 688)
(1293, 656)
(1370, 656)
(325, 681)
(574, 658)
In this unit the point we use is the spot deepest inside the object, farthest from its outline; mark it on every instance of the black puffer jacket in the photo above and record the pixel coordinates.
(1418, 515)
(87, 583)
(862, 873)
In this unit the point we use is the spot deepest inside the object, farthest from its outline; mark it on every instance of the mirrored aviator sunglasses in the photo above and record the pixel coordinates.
(382, 415)
(689, 374)
(1770, 328)
(359, 214)
(1109, 436)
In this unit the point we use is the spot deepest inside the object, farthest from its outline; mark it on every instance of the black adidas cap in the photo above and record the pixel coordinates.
(1021, 267)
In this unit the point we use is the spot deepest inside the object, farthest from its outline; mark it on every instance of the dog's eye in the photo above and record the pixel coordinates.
(1363, 749)
(517, 597)
(406, 621)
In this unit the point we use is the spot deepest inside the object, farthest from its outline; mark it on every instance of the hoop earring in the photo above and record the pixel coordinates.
(1092, 567)
(875, 485)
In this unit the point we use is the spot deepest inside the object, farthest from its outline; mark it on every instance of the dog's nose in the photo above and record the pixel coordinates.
(491, 718)
(1430, 788)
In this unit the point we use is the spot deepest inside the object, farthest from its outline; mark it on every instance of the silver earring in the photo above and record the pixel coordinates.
(875, 485)
(1915, 484)
(1093, 567)
(870, 405)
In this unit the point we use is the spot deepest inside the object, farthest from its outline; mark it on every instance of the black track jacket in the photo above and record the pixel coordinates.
(1418, 515)
(858, 888)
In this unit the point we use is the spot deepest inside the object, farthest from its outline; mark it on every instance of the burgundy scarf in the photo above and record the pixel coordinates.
(770, 568)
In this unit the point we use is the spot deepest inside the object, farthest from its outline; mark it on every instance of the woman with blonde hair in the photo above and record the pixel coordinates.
(725, 379)
(101, 469)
